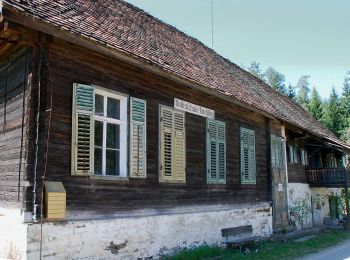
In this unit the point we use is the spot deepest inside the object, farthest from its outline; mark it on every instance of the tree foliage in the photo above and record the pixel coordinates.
(303, 87)
(291, 93)
(333, 112)
(275, 79)
(254, 68)
(315, 107)
(333, 118)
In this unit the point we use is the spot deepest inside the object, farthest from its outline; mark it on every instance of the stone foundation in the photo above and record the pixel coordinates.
(13, 233)
(143, 236)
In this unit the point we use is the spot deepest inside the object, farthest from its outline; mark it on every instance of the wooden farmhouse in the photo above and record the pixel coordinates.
(122, 137)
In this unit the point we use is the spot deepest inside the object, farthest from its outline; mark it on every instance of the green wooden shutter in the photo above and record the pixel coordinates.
(273, 151)
(281, 152)
(138, 138)
(248, 163)
(221, 152)
(82, 129)
(277, 151)
(216, 151)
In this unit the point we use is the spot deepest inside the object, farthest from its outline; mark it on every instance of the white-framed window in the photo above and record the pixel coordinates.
(110, 133)
(99, 131)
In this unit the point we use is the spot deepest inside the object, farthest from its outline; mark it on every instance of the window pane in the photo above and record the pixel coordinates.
(98, 133)
(99, 105)
(112, 162)
(113, 136)
(98, 161)
(113, 108)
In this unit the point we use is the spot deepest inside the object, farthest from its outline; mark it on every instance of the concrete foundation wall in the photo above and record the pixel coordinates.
(143, 236)
(317, 197)
(13, 233)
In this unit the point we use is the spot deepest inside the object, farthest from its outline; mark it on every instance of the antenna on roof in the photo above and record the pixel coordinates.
(212, 24)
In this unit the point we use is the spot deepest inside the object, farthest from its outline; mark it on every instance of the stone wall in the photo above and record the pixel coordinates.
(317, 197)
(144, 236)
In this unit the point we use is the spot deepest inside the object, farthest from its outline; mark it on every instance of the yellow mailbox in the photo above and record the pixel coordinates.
(55, 200)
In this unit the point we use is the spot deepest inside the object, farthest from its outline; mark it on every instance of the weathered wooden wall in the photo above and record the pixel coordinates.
(14, 106)
(296, 173)
(69, 64)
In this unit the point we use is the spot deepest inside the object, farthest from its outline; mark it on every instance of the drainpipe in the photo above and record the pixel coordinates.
(35, 216)
(283, 133)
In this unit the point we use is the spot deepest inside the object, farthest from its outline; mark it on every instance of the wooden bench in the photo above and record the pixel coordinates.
(239, 235)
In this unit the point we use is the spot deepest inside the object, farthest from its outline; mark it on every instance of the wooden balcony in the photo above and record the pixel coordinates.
(333, 177)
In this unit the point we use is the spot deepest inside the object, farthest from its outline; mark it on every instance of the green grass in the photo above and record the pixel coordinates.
(270, 250)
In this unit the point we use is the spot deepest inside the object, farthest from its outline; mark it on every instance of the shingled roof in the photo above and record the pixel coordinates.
(123, 27)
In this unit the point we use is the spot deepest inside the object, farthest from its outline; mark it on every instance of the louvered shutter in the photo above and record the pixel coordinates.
(137, 138)
(179, 151)
(216, 151)
(172, 145)
(248, 164)
(211, 150)
(166, 143)
(82, 129)
(221, 151)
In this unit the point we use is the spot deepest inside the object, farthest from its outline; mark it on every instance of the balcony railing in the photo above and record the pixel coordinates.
(334, 177)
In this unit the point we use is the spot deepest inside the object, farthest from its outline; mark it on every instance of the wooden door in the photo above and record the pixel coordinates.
(279, 183)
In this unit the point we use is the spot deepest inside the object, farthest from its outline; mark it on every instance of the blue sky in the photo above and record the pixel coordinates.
(296, 37)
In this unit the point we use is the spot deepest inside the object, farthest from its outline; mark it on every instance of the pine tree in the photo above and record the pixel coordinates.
(333, 117)
(254, 68)
(315, 106)
(345, 98)
(345, 137)
(275, 79)
(291, 92)
(345, 109)
(303, 87)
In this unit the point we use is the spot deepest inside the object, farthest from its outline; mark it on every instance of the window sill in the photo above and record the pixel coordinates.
(106, 177)
(213, 182)
(172, 182)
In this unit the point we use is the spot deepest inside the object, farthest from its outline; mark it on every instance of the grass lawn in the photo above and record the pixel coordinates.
(270, 249)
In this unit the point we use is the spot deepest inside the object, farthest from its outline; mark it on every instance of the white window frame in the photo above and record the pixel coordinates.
(123, 135)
